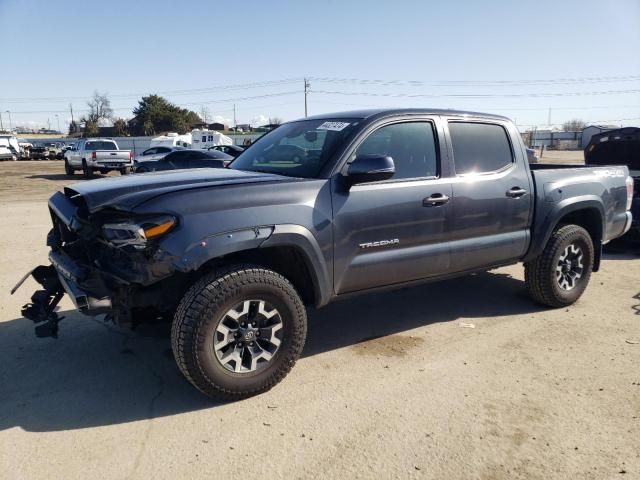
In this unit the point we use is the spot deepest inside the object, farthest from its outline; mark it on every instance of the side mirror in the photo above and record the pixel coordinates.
(370, 168)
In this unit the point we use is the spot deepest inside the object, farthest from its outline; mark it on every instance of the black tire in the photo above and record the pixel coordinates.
(541, 276)
(205, 306)
(87, 171)
(124, 171)
(142, 170)
(67, 169)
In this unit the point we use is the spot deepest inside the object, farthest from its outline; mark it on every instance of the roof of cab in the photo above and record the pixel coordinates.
(384, 112)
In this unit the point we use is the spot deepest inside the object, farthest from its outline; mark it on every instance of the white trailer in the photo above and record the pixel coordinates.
(204, 139)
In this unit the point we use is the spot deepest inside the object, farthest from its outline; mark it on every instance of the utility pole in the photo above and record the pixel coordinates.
(549, 118)
(235, 123)
(58, 119)
(1, 125)
(306, 93)
(71, 108)
(10, 122)
(48, 124)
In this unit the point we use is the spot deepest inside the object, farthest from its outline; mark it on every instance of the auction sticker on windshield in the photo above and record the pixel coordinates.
(335, 126)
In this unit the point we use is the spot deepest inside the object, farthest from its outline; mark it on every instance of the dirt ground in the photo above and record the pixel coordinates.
(389, 386)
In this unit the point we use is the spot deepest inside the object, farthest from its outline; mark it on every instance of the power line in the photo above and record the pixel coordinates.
(478, 83)
(459, 95)
(191, 91)
(226, 100)
(333, 80)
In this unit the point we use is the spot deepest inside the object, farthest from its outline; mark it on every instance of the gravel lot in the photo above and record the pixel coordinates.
(390, 386)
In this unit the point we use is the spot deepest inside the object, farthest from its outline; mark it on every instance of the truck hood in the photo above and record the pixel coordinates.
(124, 193)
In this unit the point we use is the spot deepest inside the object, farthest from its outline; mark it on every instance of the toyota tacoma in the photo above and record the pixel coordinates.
(318, 209)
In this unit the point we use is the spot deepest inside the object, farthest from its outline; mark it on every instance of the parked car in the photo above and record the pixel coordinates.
(7, 152)
(9, 147)
(381, 199)
(619, 147)
(102, 154)
(186, 159)
(25, 150)
(233, 150)
(155, 153)
(39, 151)
(54, 149)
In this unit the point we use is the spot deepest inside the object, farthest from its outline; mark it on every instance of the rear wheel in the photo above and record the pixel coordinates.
(560, 274)
(124, 171)
(238, 334)
(87, 171)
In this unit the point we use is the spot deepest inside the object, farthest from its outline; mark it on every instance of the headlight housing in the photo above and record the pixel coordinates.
(137, 233)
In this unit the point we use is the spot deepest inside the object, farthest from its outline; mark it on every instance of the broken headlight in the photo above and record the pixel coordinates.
(137, 233)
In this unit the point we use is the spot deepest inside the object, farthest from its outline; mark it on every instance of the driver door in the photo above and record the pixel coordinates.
(394, 231)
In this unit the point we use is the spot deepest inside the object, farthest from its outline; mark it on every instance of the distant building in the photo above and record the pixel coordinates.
(553, 139)
(592, 130)
(218, 126)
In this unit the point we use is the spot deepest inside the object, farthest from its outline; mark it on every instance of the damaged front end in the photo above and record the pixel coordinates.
(108, 262)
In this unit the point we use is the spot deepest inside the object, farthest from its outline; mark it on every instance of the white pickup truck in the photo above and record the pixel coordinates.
(102, 154)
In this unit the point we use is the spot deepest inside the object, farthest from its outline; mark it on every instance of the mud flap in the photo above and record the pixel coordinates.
(43, 302)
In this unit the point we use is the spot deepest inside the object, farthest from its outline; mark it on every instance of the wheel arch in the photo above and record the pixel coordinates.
(290, 250)
(587, 213)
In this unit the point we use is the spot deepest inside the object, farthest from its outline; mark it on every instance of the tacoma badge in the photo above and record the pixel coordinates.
(380, 243)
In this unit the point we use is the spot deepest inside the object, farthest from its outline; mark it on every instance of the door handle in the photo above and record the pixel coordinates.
(435, 200)
(516, 192)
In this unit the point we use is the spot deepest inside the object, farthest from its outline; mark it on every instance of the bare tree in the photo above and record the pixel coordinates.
(99, 107)
(574, 125)
(275, 120)
(205, 115)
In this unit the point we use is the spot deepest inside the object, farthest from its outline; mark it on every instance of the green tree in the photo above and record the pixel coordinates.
(120, 127)
(91, 128)
(156, 114)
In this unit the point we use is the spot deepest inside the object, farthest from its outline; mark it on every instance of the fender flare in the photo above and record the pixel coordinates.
(254, 238)
(542, 231)
(304, 241)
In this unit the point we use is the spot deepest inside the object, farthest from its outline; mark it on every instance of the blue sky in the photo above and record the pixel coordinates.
(57, 52)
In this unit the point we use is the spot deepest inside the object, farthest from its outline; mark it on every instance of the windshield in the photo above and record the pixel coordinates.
(296, 149)
(100, 146)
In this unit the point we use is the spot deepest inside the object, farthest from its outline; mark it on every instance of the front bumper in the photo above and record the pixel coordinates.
(70, 274)
(56, 280)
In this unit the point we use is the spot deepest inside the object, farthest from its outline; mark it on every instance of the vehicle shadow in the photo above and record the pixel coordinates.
(96, 374)
(51, 176)
(622, 249)
(63, 176)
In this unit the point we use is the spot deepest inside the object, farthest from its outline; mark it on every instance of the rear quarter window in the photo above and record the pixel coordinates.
(479, 147)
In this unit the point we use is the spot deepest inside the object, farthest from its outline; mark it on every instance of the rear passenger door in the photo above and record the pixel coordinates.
(393, 231)
(492, 201)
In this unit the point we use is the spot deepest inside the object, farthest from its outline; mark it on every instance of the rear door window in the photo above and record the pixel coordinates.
(479, 147)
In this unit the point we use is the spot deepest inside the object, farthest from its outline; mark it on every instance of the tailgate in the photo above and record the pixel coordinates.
(112, 156)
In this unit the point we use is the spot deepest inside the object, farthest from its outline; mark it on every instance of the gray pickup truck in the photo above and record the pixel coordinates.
(319, 209)
(101, 154)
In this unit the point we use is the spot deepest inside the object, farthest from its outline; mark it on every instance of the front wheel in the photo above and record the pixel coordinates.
(560, 274)
(238, 334)
(67, 169)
